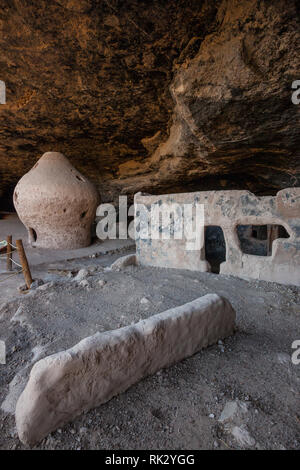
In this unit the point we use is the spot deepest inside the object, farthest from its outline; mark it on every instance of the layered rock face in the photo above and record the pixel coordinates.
(155, 96)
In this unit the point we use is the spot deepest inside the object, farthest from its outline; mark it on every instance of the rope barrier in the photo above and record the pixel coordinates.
(5, 256)
(11, 275)
(15, 262)
(4, 244)
(22, 257)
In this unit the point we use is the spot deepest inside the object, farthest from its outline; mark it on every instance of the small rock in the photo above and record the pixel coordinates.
(123, 262)
(144, 300)
(242, 436)
(36, 283)
(82, 274)
(211, 415)
(84, 283)
(101, 283)
(23, 288)
(46, 286)
(283, 358)
(232, 409)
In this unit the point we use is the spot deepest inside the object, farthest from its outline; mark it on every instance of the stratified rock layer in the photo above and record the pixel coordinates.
(158, 96)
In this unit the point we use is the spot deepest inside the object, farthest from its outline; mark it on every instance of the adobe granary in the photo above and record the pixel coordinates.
(56, 203)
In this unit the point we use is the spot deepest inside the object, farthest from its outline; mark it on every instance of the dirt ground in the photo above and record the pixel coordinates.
(242, 393)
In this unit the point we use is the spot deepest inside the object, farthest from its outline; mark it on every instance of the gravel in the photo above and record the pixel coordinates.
(179, 407)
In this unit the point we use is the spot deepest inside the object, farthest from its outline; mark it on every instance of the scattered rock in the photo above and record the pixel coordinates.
(82, 274)
(242, 436)
(20, 317)
(283, 358)
(123, 262)
(36, 283)
(233, 410)
(233, 418)
(46, 286)
(23, 288)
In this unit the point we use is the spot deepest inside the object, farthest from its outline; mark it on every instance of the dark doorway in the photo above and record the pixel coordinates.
(215, 247)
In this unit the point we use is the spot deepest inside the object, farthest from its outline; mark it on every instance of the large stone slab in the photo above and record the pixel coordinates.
(64, 385)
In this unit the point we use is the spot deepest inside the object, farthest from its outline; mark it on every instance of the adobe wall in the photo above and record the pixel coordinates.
(66, 384)
(228, 209)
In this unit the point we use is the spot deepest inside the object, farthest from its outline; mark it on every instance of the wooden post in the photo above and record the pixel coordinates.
(9, 253)
(24, 263)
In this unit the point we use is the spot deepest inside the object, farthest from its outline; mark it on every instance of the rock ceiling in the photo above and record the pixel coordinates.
(157, 96)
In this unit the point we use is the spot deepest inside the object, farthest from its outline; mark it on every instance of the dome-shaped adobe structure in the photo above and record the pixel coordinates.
(56, 203)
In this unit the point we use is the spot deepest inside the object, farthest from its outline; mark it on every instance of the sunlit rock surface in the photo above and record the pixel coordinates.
(157, 96)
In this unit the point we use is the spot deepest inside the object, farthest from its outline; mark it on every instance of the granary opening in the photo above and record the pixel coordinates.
(32, 235)
(258, 239)
(215, 247)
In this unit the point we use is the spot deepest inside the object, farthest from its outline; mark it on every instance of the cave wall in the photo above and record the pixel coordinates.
(156, 96)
